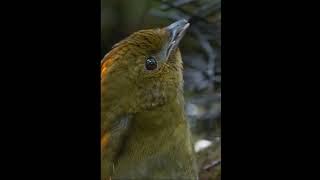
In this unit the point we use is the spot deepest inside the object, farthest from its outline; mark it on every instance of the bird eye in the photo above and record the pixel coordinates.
(151, 63)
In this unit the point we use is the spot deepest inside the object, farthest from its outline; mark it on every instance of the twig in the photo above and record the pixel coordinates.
(211, 165)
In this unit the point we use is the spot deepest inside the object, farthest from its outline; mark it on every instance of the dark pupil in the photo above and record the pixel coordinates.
(151, 63)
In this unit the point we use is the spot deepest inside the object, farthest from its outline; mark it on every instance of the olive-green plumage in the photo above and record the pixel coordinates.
(145, 134)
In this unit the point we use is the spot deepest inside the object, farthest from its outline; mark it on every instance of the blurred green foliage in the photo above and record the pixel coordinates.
(119, 18)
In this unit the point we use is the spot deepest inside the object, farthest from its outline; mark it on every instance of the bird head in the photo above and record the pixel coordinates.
(144, 70)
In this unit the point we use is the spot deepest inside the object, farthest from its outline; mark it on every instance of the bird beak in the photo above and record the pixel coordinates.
(176, 32)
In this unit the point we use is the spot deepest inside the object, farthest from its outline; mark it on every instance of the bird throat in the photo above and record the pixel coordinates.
(160, 118)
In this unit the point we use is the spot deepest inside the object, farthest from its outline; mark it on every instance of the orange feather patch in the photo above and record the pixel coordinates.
(104, 140)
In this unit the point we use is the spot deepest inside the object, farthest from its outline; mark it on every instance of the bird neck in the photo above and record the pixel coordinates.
(166, 117)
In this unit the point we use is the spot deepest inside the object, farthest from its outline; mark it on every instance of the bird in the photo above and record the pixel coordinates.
(144, 130)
